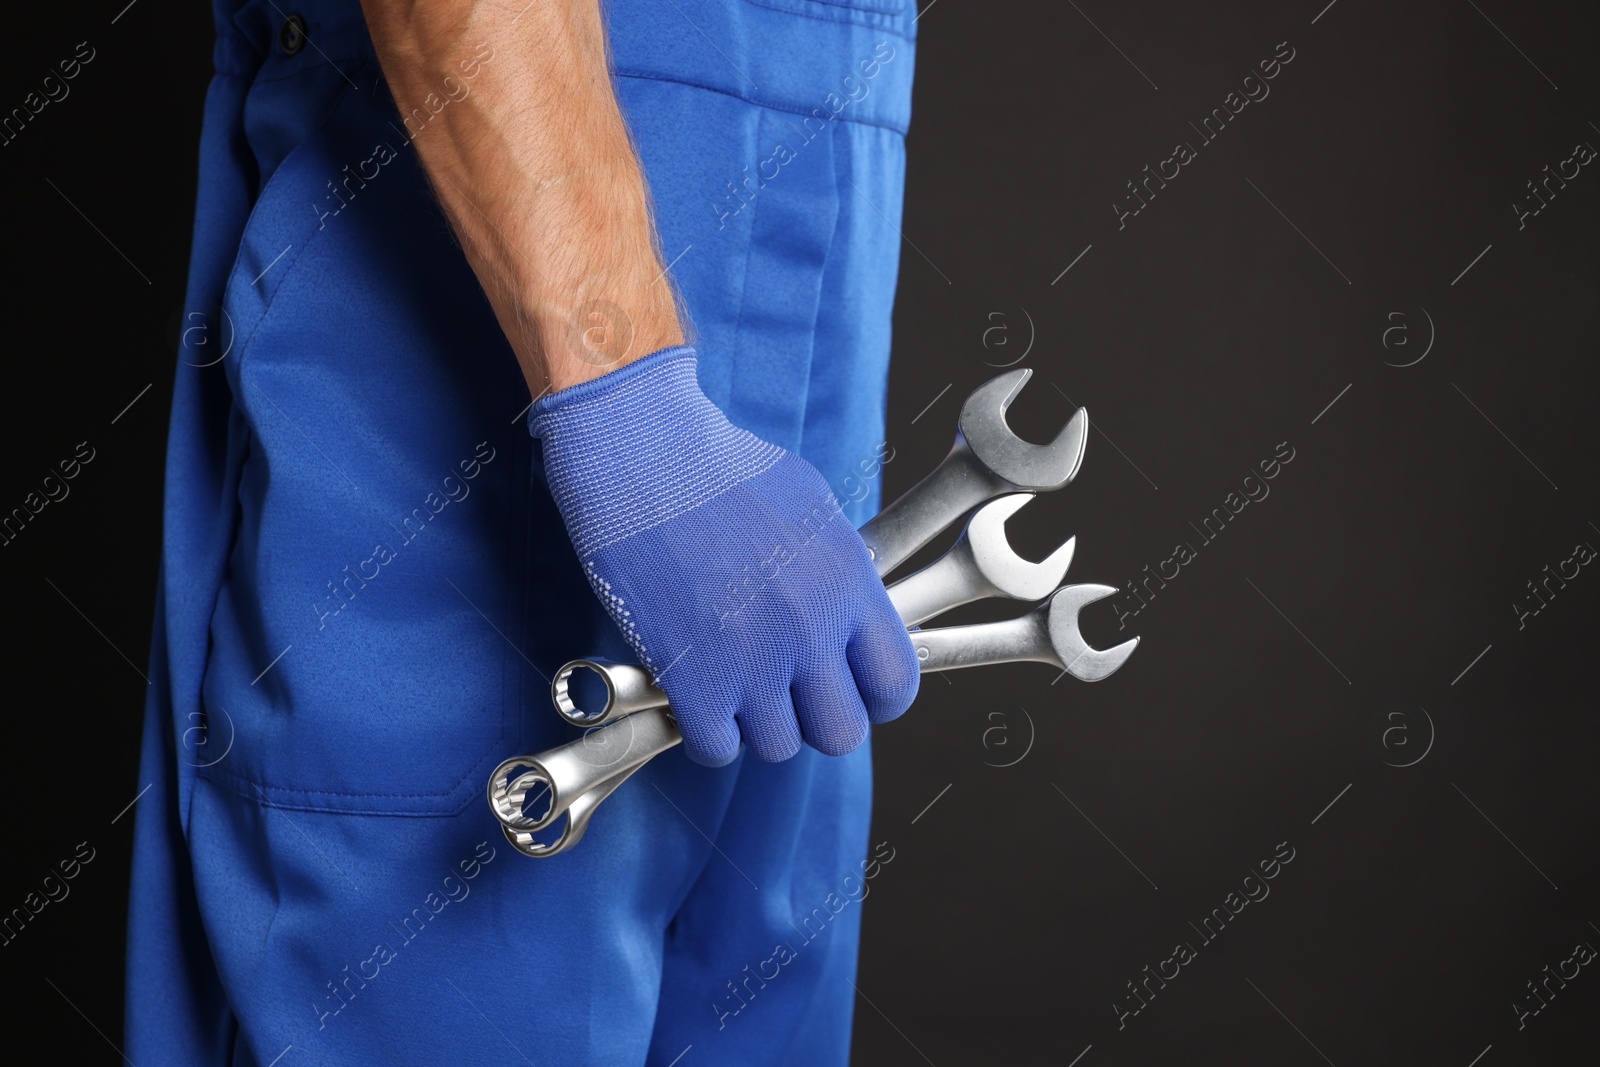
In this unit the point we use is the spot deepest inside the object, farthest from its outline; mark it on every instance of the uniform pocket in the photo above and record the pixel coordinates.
(368, 647)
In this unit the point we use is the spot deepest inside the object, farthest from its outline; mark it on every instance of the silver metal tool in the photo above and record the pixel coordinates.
(571, 832)
(987, 460)
(555, 793)
(582, 773)
(980, 564)
(629, 688)
(1047, 634)
(573, 779)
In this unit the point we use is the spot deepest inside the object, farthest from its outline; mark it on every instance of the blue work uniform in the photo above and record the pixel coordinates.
(366, 587)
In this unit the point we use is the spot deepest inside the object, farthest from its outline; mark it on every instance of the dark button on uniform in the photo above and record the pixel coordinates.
(292, 35)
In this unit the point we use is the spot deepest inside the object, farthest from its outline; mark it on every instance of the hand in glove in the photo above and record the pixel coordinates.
(727, 564)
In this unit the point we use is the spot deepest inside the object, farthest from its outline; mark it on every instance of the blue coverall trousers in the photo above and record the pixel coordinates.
(365, 586)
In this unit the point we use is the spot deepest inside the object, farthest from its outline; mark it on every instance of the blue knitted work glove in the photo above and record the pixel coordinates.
(727, 564)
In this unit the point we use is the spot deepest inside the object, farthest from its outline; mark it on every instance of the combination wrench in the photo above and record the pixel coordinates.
(582, 773)
(579, 775)
(986, 462)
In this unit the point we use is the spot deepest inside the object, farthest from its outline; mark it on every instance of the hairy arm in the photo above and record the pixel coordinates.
(668, 504)
(537, 175)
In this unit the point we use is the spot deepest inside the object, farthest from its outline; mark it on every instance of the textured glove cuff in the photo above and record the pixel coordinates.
(640, 446)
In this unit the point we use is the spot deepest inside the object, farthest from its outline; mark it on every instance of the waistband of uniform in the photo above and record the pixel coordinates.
(848, 59)
(799, 56)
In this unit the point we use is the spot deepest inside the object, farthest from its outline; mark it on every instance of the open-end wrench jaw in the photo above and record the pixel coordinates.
(1002, 571)
(1078, 658)
(980, 564)
(986, 461)
(1047, 634)
(1024, 465)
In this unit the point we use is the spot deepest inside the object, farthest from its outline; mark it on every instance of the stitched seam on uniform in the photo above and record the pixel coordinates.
(841, 157)
(744, 289)
(268, 788)
(835, 20)
(271, 294)
(260, 795)
(788, 109)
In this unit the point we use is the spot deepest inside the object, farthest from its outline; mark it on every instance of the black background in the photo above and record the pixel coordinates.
(1361, 616)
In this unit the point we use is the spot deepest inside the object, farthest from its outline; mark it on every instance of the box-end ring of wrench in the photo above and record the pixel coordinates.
(986, 461)
(577, 777)
(582, 773)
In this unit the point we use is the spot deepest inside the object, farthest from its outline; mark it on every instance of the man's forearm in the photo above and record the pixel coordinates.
(537, 175)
